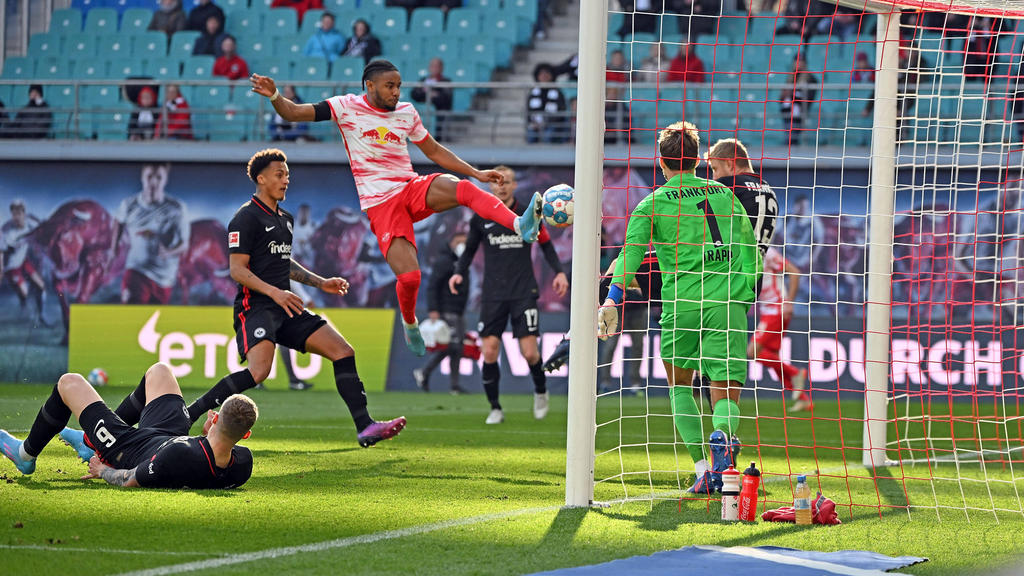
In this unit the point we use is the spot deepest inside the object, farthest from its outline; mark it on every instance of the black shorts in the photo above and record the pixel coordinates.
(124, 446)
(271, 323)
(523, 313)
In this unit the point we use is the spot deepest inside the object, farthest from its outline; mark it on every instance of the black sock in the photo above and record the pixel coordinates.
(287, 357)
(350, 387)
(39, 294)
(234, 383)
(131, 407)
(490, 375)
(540, 380)
(52, 418)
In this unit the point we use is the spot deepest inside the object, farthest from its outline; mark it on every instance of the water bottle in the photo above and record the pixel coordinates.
(802, 501)
(748, 495)
(730, 494)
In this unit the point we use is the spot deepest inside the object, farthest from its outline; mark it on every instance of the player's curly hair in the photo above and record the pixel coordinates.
(679, 146)
(376, 68)
(237, 415)
(262, 159)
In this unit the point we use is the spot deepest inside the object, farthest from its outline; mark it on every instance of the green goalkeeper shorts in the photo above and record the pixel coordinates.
(712, 341)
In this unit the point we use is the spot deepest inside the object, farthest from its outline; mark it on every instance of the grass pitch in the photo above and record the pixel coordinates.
(449, 495)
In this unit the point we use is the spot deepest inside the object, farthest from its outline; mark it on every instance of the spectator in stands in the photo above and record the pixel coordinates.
(571, 67)
(686, 66)
(441, 98)
(169, 18)
(797, 100)
(654, 65)
(863, 70)
(642, 16)
(300, 6)
(230, 64)
(362, 43)
(327, 42)
(204, 10)
(35, 119)
(696, 17)
(281, 129)
(145, 117)
(176, 120)
(545, 110)
(844, 24)
(210, 39)
(981, 43)
(410, 5)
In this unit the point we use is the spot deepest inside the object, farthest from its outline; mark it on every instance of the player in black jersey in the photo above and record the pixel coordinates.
(730, 165)
(509, 294)
(268, 313)
(157, 454)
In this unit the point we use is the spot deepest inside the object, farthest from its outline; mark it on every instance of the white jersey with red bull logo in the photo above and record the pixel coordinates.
(773, 290)
(376, 143)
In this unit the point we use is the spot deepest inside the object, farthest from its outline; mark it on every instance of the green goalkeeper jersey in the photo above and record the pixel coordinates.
(705, 245)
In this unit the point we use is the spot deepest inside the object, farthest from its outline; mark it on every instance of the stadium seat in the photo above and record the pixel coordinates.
(341, 5)
(112, 123)
(149, 45)
(464, 22)
(405, 47)
(261, 5)
(311, 22)
(389, 22)
(123, 6)
(182, 44)
(135, 20)
(197, 67)
(100, 96)
(289, 47)
(373, 4)
(66, 21)
(44, 45)
(19, 67)
(480, 49)
(501, 26)
(125, 67)
(349, 69)
(232, 124)
(55, 69)
(114, 46)
(783, 52)
(86, 5)
(101, 21)
(90, 69)
(281, 22)
(526, 15)
(273, 67)
(244, 23)
(615, 20)
(444, 47)
(484, 4)
(255, 47)
(228, 5)
(163, 68)
(210, 97)
(426, 21)
(247, 100)
(308, 69)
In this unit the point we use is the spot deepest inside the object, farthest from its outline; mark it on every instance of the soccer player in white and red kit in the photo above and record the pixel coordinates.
(774, 311)
(375, 126)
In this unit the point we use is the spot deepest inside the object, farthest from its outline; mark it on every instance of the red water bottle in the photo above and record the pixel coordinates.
(748, 494)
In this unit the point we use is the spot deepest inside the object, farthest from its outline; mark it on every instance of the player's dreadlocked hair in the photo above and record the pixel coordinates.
(679, 145)
(375, 68)
(262, 159)
(237, 415)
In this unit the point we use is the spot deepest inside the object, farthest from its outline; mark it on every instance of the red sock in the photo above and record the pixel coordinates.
(486, 205)
(783, 371)
(407, 288)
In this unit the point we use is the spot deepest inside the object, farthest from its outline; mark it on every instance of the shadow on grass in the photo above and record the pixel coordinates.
(563, 529)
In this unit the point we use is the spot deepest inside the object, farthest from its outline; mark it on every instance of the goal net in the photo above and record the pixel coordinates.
(892, 139)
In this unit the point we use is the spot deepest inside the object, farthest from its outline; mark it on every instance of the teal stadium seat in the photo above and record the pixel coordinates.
(100, 96)
(261, 5)
(349, 69)
(405, 47)
(112, 124)
(337, 6)
(19, 67)
(197, 67)
(55, 69)
(390, 22)
(309, 69)
(231, 124)
(163, 68)
(66, 21)
(248, 100)
(182, 44)
(44, 45)
(373, 4)
(101, 21)
(135, 20)
(502, 27)
(483, 4)
(464, 21)
(114, 46)
(255, 47)
(6, 92)
(229, 5)
(426, 22)
(311, 22)
(90, 69)
(289, 47)
(149, 45)
(526, 15)
(281, 22)
(245, 23)
(615, 20)
(125, 67)
(210, 97)
(444, 47)
(783, 52)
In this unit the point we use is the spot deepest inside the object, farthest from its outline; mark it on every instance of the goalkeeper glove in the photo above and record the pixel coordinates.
(607, 319)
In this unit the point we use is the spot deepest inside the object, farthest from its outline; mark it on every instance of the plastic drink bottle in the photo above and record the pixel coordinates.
(730, 494)
(802, 501)
(748, 494)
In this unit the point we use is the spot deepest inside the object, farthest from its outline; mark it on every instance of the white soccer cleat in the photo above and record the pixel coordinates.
(540, 405)
(801, 406)
(495, 417)
(799, 384)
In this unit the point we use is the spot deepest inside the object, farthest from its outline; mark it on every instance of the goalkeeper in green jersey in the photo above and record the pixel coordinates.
(709, 263)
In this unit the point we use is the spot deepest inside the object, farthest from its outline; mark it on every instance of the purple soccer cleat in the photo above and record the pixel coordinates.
(381, 431)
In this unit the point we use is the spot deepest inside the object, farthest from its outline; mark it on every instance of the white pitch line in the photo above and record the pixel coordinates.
(96, 550)
(332, 544)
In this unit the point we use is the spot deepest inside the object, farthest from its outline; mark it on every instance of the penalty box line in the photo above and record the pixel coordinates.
(332, 544)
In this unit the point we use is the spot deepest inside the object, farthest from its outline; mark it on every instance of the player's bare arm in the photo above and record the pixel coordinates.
(335, 285)
(114, 477)
(447, 159)
(290, 111)
(239, 267)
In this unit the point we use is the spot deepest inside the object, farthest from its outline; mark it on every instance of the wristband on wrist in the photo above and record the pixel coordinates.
(615, 293)
(275, 95)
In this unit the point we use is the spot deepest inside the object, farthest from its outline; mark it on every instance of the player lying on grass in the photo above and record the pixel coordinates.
(157, 454)
(709, 265)
(375, 127)
(267, 313)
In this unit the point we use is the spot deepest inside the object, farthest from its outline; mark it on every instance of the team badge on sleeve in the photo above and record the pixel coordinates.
(232, 239)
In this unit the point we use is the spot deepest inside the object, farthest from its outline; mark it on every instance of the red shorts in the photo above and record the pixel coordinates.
(20, 275)
(394, 218)
(137, 288)
(769, 331)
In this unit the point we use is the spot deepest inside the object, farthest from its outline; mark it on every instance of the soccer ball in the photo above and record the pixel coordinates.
(98, 377)
(558, 204)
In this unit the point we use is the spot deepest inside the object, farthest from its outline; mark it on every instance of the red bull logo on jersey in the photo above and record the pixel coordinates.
(381, 135)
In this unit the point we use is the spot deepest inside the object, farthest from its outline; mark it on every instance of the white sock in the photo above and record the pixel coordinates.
(701, 467)
(414, 324)
(515, 225)
(24, 455)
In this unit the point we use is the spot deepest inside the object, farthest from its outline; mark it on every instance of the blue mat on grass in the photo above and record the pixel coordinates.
(763, 561)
